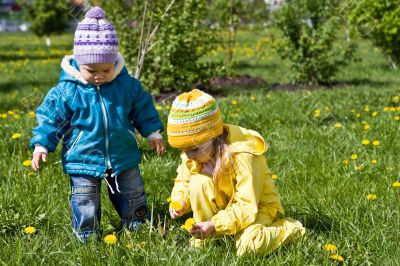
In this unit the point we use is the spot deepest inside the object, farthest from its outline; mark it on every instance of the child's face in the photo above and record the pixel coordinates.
(201, 153)
(97, 74)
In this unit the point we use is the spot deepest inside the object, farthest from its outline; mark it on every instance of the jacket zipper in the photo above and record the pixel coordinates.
(73, 143)
(103, 109)
(134, 136)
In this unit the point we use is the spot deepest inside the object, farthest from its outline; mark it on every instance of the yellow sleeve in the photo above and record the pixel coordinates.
(181, 185)
(243, 208)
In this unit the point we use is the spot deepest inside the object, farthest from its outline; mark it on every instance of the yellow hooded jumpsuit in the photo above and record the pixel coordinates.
(245, 203)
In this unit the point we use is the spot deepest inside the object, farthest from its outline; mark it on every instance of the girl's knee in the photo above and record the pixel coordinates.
(200, 183)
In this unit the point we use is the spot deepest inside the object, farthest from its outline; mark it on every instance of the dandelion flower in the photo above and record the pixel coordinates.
(367, 127)
(17, 116)
(371, 197)
(329, 247)
(345, 162)
(16, 136)
(169, 199)
(397, 118)
(317, 113)
(374, 114)
(4, 116)
(11, 113)
(353, 110)
(336, 257)
(358, 168)
(26, 163)
(32, 114)
(374, 161)
(385, 109)
(354, 156)
(158, 107)
(30, 230)
(365, 142)
(234, 102)
(168, 107)
(176, 205)
(358, 115)
(338, 125)
(396, 98)
(376, 143)
(366, 109)
(188, 224)
(274, 177)
(252, 98)
(396, 184)
(392, 109)
(110, 239)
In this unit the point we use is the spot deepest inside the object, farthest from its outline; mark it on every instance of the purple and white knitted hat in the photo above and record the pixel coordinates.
(95, 39)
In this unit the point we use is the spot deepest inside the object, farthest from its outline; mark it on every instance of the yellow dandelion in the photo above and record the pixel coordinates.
(169, 199)
(168, 107)
(176, 205)
(376, 143)
(17, 116)
(374, 114)
(353, 111)
(396, 184)
(26, 163)
(358, 115)
(354, 156)
(365, 142)
(252, 98)
(397, 118)
(16, 135)
(158, 107)
(11, 113)
(30, 230)
(234, 102)
(129, 246)
(31, 174)
(358, 168)
(396, 98)
(398, 108)
(345, 162)
(367, 127)
(188, 224)
(385, 109)
(274, 177)
(392, 109)
(374, 161)
(32, 114)
(371, 197)
(366, 109)
(329, 247)
(336, 257)
(4, 116)
(110, 239)
(338, 125)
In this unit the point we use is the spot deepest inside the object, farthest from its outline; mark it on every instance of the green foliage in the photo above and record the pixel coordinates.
(310, 41)
(176, 60)
(46, 17)
(378, 20)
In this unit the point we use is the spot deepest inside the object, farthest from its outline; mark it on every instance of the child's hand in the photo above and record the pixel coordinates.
(35, 163)
(158, 144)
(178, 213)
(202, 230)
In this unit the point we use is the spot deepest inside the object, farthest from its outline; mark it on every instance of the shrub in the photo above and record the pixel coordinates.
(310, 41)
(379, 20)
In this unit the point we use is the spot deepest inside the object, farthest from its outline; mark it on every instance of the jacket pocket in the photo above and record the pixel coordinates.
(74, 143)
(134, 136)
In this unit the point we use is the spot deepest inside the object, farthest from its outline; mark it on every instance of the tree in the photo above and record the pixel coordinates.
(310, 40)
(46, 17)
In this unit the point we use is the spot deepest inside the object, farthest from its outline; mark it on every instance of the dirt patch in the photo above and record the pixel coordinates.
(245, 81)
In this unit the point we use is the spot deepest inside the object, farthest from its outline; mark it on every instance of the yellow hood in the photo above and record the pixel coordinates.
(245, 140)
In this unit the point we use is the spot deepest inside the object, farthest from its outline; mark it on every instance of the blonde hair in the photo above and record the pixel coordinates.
(223, 160)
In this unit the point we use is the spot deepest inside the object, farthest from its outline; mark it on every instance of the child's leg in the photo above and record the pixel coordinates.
(131, 201)
(265, 239)
(202, 197)
(85, 205)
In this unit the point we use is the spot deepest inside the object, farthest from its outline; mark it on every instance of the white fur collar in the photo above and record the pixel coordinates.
(66, 65)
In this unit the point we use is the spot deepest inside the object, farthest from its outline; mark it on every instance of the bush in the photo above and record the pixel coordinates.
(175, 61)
(310, 41)
(379, 20)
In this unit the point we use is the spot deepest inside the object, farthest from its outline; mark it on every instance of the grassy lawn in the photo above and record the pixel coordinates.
(312, 136)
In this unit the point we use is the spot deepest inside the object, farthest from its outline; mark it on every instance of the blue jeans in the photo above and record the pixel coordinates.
(130, 202)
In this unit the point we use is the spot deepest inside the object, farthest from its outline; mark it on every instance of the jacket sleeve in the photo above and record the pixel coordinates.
(52, 120)
(244, 206)
(144, 116)
(181, 186)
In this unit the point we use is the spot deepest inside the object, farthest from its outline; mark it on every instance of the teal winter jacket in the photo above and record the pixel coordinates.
(95, 123)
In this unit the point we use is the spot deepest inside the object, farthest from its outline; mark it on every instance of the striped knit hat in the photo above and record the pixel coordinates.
(95, 39)
(194, 119)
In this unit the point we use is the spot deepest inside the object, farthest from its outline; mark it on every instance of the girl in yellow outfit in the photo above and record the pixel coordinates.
(224, 179)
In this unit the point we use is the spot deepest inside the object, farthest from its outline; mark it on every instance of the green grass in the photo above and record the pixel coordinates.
(305, 152)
